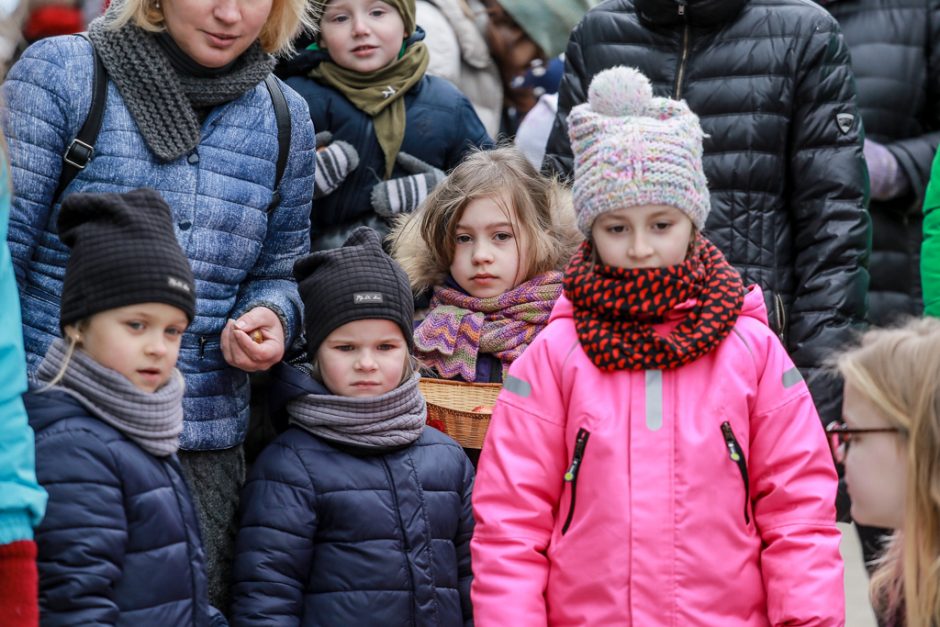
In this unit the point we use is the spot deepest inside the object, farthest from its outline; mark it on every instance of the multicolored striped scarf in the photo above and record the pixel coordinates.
(459, 327)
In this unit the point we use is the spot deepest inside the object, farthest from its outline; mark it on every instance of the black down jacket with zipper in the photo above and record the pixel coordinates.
(895, 48)
(771, 83)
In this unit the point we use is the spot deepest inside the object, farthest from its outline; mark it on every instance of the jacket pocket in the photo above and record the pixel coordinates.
(736, 453)
(571, 476)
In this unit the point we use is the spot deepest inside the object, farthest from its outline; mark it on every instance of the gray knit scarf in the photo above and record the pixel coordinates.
(160, 98)
(152, 420)
(395, 418)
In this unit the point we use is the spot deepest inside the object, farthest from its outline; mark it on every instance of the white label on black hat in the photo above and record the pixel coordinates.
(362, 298)
(178, 284)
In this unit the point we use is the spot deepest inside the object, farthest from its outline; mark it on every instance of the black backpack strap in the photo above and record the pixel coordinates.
(282, 115)
(82, 148)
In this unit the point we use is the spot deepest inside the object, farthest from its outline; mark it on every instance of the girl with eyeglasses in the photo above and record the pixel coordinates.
(892, 422)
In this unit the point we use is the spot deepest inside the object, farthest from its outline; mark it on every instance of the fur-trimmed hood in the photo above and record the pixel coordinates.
(411, 252)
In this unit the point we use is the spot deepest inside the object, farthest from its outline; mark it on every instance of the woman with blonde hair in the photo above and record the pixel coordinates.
(190, 112)
(892, 422)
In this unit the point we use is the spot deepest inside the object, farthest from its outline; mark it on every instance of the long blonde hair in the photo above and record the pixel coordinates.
(73, 344)
(898, 371)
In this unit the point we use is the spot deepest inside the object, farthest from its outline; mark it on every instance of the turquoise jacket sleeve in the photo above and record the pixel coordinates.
(22, 501)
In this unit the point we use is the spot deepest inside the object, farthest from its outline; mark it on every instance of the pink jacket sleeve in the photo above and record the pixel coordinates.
(794, 482)
(515, 498)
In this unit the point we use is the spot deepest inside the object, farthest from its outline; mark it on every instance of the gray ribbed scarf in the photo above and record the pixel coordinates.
(152, 420)
(395, 418)
(162, 100)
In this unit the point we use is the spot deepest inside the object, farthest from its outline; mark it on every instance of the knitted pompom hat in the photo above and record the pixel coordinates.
(631, 148)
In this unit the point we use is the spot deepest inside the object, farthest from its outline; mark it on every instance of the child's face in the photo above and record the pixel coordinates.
(645, 236)
(363, 358)
(362, 35)
(875, 465)
(140, 341)
(490, 255)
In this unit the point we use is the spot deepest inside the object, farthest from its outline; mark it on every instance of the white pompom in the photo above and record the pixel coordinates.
(620, 91)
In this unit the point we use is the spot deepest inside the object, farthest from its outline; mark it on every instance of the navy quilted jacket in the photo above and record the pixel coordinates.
(119, 544)
(333, 535)
(241, 257)
(441, 127)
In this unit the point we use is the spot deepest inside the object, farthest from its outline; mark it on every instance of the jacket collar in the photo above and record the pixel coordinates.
(697, 12)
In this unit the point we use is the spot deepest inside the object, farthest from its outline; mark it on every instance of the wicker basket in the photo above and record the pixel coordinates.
(451, 405)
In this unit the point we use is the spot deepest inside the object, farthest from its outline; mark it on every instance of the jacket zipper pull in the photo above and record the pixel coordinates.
(682, 4)
(730, 441)
(571, 476)
(202, 346)
(579, 444)
(735, 452)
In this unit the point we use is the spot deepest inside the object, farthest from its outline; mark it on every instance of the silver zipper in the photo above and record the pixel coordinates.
(684, 57)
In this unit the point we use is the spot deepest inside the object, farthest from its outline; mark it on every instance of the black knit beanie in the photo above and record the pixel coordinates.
(124, 252)
(357, 281)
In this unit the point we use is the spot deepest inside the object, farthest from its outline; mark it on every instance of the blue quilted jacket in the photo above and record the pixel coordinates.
(334, 535)
(120, 543)
(241, 257)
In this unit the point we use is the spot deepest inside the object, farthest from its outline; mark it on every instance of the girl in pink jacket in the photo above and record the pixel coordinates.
(654, 457)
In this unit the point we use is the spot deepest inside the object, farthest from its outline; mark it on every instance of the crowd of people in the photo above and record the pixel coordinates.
(694, 242)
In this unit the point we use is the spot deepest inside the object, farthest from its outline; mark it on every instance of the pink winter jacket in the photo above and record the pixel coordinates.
(697, 496)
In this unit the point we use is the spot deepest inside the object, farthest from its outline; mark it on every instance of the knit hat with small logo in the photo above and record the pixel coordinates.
(123, 252)
(633, 149)
(357, 281)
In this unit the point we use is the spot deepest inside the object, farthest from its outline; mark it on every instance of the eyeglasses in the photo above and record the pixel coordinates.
(840, 436)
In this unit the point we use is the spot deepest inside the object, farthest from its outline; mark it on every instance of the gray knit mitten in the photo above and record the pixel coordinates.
(335, 160)
(404, 194)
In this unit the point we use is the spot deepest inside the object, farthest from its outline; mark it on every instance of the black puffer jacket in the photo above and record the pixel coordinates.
(771, 83)
(895, 48)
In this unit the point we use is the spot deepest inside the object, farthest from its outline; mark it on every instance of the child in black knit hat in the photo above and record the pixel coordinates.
(357, 514)
(119, 541)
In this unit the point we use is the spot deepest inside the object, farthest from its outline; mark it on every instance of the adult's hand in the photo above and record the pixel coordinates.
(255, 341)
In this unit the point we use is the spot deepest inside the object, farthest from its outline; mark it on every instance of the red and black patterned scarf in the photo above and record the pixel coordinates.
(615, 308)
